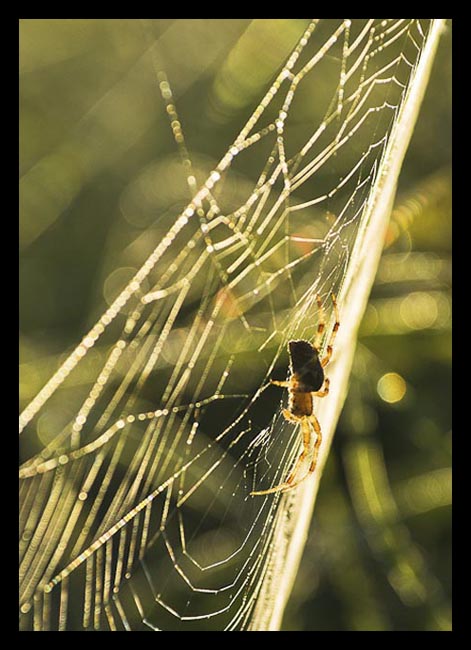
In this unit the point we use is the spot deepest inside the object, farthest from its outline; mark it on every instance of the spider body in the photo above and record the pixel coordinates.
(307, 380)
(307, 376)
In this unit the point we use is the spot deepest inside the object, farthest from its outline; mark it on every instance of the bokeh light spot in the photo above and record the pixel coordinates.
(391, 387)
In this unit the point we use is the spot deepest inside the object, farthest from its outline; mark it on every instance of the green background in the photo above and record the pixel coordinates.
(91, 118)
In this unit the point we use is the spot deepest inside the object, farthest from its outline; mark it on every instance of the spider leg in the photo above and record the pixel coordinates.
(315, 452)
(283, 384)
(317, 444)
(282, 487)
(323, 393)
(290, 482)
(320, 324)
(290, 417)
(306, 433)
(335, 328)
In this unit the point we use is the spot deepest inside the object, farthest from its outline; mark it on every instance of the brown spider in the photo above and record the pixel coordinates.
(306, 381)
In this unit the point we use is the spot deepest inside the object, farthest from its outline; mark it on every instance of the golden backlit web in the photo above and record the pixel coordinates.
(137, 514)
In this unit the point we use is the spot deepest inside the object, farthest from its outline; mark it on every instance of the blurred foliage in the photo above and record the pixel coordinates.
(94, 138)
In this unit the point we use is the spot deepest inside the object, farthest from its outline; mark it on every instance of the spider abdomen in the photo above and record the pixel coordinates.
(306, 370)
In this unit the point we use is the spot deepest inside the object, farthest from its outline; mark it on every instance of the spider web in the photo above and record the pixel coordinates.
(137, 514)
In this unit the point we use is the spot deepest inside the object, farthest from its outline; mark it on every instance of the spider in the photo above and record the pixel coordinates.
(307, 380)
